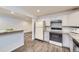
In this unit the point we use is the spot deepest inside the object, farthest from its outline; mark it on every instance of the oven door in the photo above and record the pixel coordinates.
(56, 37)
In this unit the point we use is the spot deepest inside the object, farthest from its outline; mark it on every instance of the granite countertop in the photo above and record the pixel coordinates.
(75, 36)
(13, 31)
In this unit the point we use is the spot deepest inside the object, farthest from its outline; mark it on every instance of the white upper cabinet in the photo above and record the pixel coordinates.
(65, 20)
(73, 19)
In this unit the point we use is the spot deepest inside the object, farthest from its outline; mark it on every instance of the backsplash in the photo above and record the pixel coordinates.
(70, 29)
(66, 30)
(75, 30)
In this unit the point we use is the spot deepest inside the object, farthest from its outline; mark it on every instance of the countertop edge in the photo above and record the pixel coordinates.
(11, 31)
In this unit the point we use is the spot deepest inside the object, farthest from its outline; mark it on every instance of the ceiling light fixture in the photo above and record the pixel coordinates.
(12, 12)
(38, 10)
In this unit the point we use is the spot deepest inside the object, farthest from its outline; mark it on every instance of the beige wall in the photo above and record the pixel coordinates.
(7, 22)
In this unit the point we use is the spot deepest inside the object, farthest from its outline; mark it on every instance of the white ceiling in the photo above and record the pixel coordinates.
(27, 12)
(44, 10)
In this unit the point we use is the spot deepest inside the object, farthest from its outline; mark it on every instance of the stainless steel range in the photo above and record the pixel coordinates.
(56, 32)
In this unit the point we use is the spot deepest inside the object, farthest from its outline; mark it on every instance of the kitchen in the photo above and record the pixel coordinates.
(39, 29)
(60, 29)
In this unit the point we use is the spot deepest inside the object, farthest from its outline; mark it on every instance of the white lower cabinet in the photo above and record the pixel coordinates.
(68, 42)
(46, 36)
(65, 20)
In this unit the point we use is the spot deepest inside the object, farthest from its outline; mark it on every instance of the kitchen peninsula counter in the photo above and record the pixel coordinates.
(13, 31)
(75, 37)
(11, 40)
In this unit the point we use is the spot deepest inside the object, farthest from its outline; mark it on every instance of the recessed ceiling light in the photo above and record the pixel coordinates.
(38, 10)
(12, 12)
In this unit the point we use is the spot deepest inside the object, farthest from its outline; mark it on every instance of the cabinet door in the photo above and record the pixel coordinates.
(65, 20)
(74, 19)
(46, 36)
(67, 41)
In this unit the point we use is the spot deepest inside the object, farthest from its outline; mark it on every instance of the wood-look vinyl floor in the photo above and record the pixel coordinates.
(38, 46)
